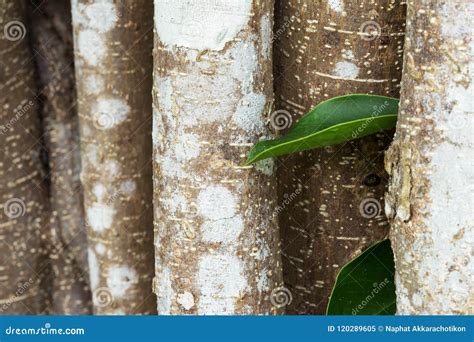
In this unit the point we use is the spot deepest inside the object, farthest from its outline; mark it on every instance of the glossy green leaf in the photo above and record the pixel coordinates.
(335, 121)
(365, 286)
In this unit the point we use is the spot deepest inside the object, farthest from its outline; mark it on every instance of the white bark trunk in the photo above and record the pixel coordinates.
(430, 196)
(215, 237)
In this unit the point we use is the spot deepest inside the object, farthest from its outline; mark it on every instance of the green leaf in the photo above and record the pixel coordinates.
(335, 121)
(365, 286)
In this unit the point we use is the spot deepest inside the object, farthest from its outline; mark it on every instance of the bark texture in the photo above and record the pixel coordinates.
(429, 201)
(330, 199)
(22, 192)
(67, 243)
(113, 46)
(216, 237)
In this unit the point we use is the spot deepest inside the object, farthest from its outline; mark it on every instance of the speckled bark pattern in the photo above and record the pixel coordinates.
(113, 47)
(429, 201)
(52, 43)
(216, 237)
(22, 192)
(324, 49)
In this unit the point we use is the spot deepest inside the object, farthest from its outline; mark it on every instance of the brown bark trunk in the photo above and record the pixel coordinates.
(325, 49)
(215, 232)
(22, 193)
(52, 42)
(429, 202)
(113, 45)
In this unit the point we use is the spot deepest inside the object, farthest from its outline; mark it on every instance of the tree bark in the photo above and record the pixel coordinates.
(428, 201)
(113, 44)
(325, 49)
(52, 43)
(22, 192)
(216, 237)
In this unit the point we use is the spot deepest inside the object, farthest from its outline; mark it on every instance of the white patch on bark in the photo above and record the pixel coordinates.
(164, 291)
(101, 15)
(94, 271)
(120, 279)
(100, 248)
(109, 112)
(336, 5)
(94, 84)
(91, 46)
(265, 166)
(348, 54)
(266, 31)
(186, 300)
(99, 191)
(346, 70)
(128, 187)
(100, 216)
(112, 167)
(225, 231)
(216, 202)
(248, 115)
(93, 21)
(221, 281)
(187, 147)
(201, 25)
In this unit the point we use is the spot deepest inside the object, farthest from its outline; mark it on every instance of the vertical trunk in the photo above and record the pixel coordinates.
(22, 195)
(52, 42)
(325, 49)
(429, 201)
(113, 44)
(216, 238)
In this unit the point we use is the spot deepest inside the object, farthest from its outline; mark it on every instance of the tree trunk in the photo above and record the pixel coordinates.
(429, 201)
(22, 193)
(216, 238)
(326, 49)
(52, 42)
(113, 44)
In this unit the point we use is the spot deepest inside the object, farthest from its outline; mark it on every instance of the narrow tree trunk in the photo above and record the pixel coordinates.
(52, 42)
(429, 200)
(326, 49)
(22, 192)
(113, 44)
(216, 238)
